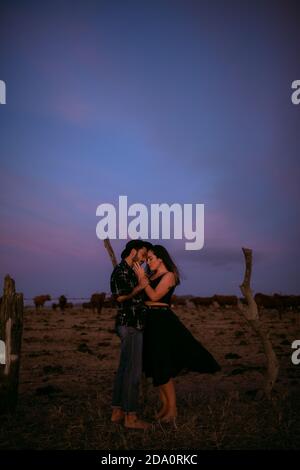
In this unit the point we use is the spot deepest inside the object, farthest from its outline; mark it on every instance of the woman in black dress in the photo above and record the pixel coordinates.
(169, 347)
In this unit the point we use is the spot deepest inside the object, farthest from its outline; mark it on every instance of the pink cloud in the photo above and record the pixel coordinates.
(20, 192)
(40, 237)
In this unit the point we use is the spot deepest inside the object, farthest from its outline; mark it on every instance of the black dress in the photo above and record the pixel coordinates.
(169, 348)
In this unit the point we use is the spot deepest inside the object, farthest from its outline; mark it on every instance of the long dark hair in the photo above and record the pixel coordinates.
(161, 253)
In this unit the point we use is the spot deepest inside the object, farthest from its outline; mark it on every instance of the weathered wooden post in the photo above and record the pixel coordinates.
(110, 252)
(250, 313)
(11, 326)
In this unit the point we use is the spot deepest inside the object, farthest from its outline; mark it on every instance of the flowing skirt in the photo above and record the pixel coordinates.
(169, 348)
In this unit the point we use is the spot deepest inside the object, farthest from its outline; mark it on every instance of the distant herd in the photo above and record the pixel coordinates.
(99, 300)
(96, 302)
(275, 301)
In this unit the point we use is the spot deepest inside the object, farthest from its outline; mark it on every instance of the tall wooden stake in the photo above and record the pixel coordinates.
(11, 327)
(250, 313)
(110, 252)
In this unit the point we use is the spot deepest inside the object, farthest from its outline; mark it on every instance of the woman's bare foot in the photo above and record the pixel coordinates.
(170, 416)
(117, 415)
(161, 412)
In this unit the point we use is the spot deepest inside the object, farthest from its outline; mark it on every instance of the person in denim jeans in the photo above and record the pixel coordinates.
(129, 327)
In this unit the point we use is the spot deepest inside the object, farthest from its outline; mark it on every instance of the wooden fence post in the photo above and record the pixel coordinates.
(250, 313)
(110, 252)
(11, 326)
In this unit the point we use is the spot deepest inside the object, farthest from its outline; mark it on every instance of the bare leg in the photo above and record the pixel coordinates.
(164, 402)
(169, 391)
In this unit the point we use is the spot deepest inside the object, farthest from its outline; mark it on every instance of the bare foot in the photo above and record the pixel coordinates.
(161, 412)
(117, 415)
(133, 422)
(169, 417)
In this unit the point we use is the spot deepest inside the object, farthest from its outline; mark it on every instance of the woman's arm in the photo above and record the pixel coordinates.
(166, 283)
(141, 286)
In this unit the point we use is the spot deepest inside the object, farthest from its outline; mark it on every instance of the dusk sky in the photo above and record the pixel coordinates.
(162, 101)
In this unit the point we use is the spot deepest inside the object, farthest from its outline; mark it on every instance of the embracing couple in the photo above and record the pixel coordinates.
(153, 339)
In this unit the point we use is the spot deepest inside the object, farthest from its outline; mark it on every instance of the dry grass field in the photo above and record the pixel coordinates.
(67, 369)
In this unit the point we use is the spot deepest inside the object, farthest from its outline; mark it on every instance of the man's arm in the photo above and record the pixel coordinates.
(120, 288)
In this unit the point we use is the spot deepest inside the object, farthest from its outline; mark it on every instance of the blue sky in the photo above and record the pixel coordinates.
(167, 101)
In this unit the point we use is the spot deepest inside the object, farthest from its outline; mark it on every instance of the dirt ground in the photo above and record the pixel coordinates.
(68, 365)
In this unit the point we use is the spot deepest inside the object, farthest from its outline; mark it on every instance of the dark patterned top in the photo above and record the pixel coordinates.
(122, 282)
(166, 299)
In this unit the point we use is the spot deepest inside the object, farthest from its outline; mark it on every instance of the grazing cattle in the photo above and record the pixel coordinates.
(97, 301)
(287, 302)
(176, 300)
(266, 301)
(225, 300)
(294, 302)
(62, 302)
(202, 301)
(39, 300)
(278, 301)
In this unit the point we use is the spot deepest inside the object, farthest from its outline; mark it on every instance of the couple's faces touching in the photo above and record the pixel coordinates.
(140, 256)
(152, 261)
(143, 255)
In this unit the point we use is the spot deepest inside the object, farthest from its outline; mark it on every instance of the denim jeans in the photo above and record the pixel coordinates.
(128, 376)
